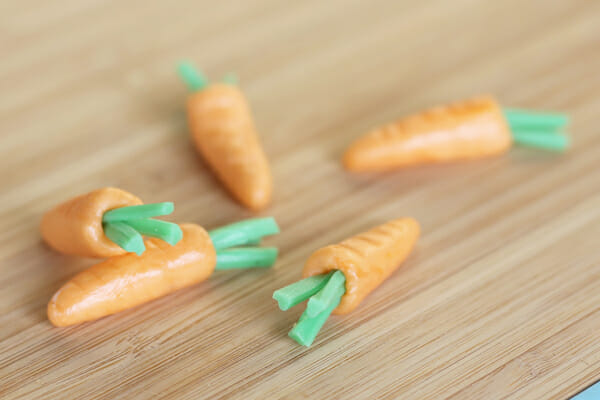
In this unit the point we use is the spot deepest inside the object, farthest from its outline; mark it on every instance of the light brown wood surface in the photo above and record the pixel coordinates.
(501, 298)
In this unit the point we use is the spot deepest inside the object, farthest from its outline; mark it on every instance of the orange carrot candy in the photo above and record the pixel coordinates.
(223, 131)
(470, 129)
(338, 277)
(106, 222)
(125, 281)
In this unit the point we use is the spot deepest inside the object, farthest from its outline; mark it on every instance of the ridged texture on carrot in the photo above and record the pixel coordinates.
(463, 130)
(366, 259)
(129, 280)
(75, 226)
(224, 133)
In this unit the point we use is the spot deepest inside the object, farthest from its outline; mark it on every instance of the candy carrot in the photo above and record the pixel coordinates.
(106, 222)
(470, 129)
(223, 131)
(127, 280)
(338, 277)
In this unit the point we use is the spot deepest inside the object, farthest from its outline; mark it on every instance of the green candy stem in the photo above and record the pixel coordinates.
(255, 242)
(125, 236)
(287, 297)
(138, 212)
(537, 120)
(241, 258)
(540, 139)
(307, 328)
(167, 231)
(326, 296)
(243, 233)
(193, 78)
(125, 225)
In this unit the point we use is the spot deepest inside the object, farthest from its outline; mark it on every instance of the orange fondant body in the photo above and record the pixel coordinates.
(129, 280)
(366, 259)
(75, 226)
(464, 130)
(223, 131)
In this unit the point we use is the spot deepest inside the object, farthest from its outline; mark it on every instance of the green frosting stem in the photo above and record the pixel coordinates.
(287, 297)
(249, 257)
(243, 233)
(324, 293)
(193, 78)
(125, 236)
(126, 225)
(326, 296)
(138, 212)
(167, 231)
(537, 120)
(307, 328)
(542, 140)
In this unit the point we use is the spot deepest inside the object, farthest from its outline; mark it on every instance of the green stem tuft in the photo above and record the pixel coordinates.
(543, 140)
(326, 296)
(193, 78)
(307, 328)
(243, 233)
(125, 236)
(167, 231)
(287, 297)
(537, 120)
(138, 212)
(249, 257)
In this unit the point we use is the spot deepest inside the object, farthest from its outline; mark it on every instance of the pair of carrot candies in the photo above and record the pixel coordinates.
(338, 277)
(471, 129)
(95, 225)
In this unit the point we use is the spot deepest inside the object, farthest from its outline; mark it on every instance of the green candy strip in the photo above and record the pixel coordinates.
(243, 233)
(138, 212)
(291, 295)
(193, 78)
(250, 257)
(553, 141)
(536, 120)
(125, 236)
(167, 231)
(307, 328)
(326, 296)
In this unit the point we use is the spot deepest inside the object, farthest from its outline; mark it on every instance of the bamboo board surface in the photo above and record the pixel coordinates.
(500, 299)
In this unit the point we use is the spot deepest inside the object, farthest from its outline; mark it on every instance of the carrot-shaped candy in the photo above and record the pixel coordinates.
(125, 281)
(105, 223)
(338, 277)
(223, 131)
(470, 129)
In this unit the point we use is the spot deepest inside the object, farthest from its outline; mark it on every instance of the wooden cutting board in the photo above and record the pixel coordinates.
(501, 297)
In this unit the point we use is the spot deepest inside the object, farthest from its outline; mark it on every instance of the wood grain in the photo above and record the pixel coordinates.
(501, 298)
